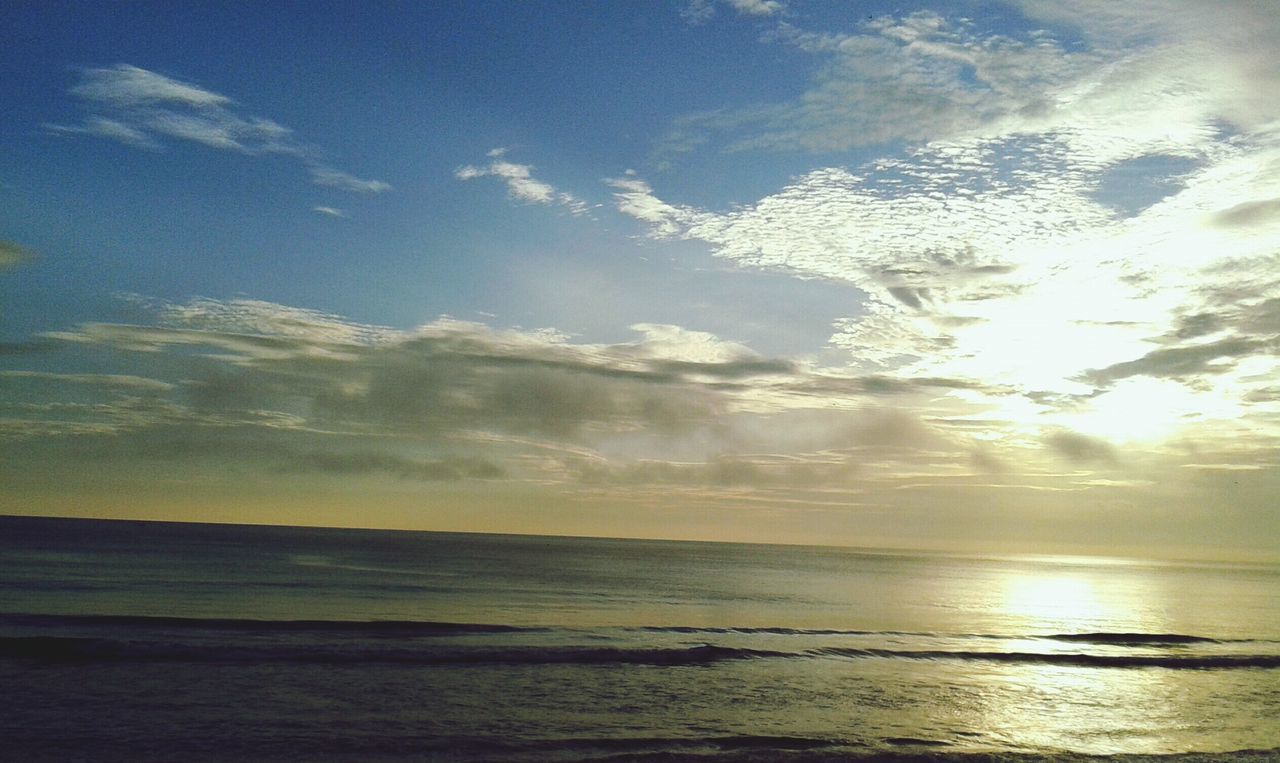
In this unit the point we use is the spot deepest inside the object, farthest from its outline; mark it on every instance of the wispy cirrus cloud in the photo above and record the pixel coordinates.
(143, 108)
(327, 176)
(520, 182)
(700, 11)
(1117, 93)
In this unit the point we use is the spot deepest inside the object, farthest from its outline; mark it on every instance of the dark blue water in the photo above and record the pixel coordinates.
(145, 641)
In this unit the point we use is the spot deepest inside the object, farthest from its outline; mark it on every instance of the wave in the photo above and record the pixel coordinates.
(1100, 638)
(85, 649)
(778, 631)
(1136, 639)
(1074, 659)
(432, 627)
(389, 627)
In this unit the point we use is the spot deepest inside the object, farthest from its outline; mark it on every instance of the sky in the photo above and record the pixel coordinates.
(982, 276)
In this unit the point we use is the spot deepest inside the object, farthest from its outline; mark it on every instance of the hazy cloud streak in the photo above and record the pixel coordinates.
(138, 107)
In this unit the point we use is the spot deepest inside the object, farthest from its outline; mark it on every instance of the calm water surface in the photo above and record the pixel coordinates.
(142, 641)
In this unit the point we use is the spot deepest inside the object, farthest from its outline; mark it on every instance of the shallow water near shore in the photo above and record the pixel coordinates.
(126, 640)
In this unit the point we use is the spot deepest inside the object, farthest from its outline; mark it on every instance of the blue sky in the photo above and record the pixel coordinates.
(963, 274)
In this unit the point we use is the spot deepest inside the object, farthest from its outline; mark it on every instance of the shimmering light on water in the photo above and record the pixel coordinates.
(1060, 602)
(534, 648)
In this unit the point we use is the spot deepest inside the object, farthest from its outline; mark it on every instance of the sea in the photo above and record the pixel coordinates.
(148, 641)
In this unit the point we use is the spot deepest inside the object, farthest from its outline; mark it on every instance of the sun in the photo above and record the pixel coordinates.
(1144, 409)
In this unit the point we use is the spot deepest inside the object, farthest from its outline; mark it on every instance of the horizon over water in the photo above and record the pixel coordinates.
(136, 640)
(1066, 553)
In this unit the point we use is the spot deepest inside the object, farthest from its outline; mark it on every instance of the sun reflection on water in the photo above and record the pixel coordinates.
(1059, 603)
(1053, 707)
(1053, 595)
(1099, 712)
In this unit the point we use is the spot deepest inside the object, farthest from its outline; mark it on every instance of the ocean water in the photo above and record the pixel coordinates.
(150, 641)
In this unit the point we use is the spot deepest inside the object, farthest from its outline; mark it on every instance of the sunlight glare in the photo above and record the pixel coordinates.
(1144, 409)
(1058, 602)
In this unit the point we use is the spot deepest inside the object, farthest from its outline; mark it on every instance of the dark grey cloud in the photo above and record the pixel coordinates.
(1263, 395)
(451, 378)
(910, 296)
(28, 347)
(1081, 449)
(188, 442)
(266, 389)
(379, 462)
(1199, 324)
(983, 460)
(459, 383)
(12, 255)
(719, 472)
(1249, 213)
(122, 382)
(1185, 363)
(881, 385)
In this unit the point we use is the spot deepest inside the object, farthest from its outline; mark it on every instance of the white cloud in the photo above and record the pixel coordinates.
(108, 128)
(1062, 219)
(520, 182)
(635, 197)
(329, 211)
(126, 86)
(757, 7)
(141, 108)
(700, 11)
(328, 176)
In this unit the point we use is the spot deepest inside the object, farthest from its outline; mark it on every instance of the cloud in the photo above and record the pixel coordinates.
(1249, 213)
(633, 196)
(1061, 217)
(941, 240)
(520, 182)
(917, 78)
(426, 403)
(134, 384)
(1115, 93)
(13, 255)
(252, 393)
(1081, 449)
(376, 462)
(700, 11)
(108, 128)
(328, 176)
(329, 211)
(125, 86)
(142, 108)
(757, 7)
(1186, 362)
